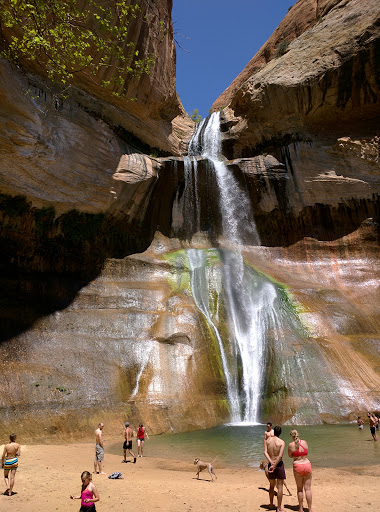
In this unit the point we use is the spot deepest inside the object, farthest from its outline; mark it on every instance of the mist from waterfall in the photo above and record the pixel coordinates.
(248, 298)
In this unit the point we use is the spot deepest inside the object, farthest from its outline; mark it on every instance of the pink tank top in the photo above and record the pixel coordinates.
(86, 495)
(141, 433)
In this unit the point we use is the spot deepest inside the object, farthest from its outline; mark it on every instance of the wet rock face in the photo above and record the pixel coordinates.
(129, 344)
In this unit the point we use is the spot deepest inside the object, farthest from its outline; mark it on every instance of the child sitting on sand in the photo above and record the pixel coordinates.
(89, 494)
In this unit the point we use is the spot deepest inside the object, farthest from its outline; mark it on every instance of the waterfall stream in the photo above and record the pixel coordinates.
(248, 298)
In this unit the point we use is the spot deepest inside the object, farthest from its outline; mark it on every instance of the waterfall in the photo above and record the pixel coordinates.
(200, 286)
(248, 298)
(235, 207)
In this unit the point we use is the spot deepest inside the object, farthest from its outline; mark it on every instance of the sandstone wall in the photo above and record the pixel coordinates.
(82, 311)
(148, 107)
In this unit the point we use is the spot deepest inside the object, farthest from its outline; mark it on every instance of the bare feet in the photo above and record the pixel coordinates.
(102, 473)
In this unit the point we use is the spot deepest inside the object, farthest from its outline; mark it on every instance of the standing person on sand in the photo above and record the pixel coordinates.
(9, 462)
(89, 494)
(128, 434)
(273, 451)
(141, 433)
(99, 449)
(298, 450)
(373, 421)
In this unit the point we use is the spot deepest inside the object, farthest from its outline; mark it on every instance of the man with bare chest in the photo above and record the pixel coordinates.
(99, 450)
(274, 450)
(269, 432)
(373, 421)
(128, 434)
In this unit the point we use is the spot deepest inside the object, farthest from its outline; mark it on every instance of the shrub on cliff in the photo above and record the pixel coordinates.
(283, 48)
(65, 37)
(195, 116)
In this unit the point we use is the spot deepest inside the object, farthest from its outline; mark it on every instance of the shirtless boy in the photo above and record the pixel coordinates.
(99, 450)
(9, 462)
(373, 421)
(273, 451)
(128, 434)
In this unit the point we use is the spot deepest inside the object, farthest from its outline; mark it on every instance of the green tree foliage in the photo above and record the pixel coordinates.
(66, 37)
(283, 48)
(195, 116)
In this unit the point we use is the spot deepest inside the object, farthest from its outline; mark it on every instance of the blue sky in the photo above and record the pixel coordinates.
(223, 37)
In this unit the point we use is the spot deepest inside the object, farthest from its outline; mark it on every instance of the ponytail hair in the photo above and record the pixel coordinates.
(85, 474)
(295, 437)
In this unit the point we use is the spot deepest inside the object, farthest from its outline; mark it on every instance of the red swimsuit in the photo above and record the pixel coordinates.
(301, 468)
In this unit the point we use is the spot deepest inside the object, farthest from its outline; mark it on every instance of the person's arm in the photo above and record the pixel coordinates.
(266, 452)
(290, 451)
(278, 458)
(146, 433)
(95, 493)
(18, 453)
(101, 439)
(75, 497)
(3, 457)
(266, 437)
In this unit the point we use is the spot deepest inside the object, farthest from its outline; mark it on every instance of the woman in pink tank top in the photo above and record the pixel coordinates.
(89, 494)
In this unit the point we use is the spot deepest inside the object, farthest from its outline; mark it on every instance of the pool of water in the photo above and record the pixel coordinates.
(242, 445)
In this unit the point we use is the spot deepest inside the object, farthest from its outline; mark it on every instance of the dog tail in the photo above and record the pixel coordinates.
(214, 460)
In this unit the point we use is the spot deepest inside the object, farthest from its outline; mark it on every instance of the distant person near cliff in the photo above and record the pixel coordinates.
(273, 451)
(373, 421)
(360, 423)
(141, 433)
(9, 462)
(99, 450)
(128, 434)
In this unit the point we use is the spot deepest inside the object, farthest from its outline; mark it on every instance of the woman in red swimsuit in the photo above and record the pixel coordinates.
(298, 450)
(89, 494)
(141, 433)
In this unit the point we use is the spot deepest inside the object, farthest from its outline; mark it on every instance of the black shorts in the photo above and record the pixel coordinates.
(279, 472)
(88, 509)
(127, 445)
(373, 430)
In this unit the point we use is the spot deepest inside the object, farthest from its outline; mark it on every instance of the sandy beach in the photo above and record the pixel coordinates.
(48, 474)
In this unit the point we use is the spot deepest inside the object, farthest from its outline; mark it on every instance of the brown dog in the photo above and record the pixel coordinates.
(265, 465)
(204, 465)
